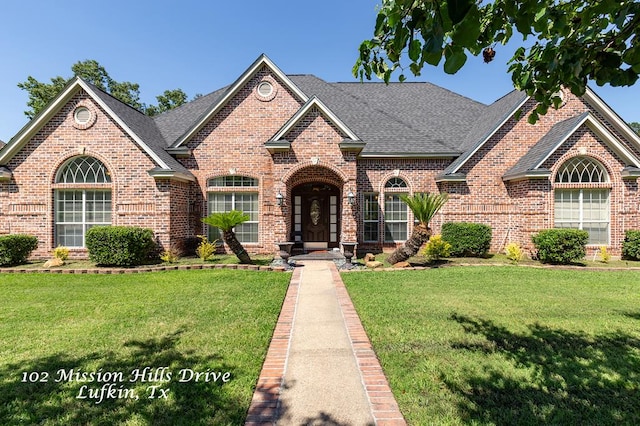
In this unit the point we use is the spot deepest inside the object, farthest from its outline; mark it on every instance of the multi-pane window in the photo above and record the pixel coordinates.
(579, 207)
(78, 209)
(395, 218)
(246, 202)
(371, 216)
(396, 212)
(236, 181)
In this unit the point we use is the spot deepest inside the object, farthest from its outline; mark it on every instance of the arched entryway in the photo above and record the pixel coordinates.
(315, 216)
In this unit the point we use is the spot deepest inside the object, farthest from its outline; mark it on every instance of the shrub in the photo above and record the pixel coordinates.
(605, 257)
(631, 245)
(560, 246)
(15, 249)
(436, 248)
(206, 249)
(171, 255)
(514, 252)
(120, 245)
(467, 239)
(61, 253)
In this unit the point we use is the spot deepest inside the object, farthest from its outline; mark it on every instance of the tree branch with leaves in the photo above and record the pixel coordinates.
(574, 41)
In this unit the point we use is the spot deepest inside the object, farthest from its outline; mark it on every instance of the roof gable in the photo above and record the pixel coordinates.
(137, 126)
(530, 164)
(231, 91)
(491, 120)
(304, 110)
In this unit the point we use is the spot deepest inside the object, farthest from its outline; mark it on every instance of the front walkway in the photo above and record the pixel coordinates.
(320, 368)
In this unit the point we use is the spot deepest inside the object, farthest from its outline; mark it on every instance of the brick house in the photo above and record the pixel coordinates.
(319, 163)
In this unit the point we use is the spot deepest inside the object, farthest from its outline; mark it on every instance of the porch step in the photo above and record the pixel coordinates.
(318, 255)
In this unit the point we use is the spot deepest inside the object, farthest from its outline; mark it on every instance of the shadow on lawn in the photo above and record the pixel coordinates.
(576, 379)
(189, 403)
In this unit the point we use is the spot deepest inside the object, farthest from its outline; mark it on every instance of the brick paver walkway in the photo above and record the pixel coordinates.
(290, 388)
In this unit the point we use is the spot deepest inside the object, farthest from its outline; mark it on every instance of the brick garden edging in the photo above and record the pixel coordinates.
(265, 402)
(137, 270)
(384, 407)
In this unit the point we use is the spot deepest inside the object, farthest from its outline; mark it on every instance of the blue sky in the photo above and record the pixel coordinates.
(200, 46)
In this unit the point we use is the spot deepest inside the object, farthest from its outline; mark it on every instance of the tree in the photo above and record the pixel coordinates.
(170, 99)
(575, 41)
(40, 94)
(226, 222)
(635, 126)
(424, 207)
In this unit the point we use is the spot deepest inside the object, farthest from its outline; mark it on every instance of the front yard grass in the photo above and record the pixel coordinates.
(218, 259)
(506, 345)
(214, 321)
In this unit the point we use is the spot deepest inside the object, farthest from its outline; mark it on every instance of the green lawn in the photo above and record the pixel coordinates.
(506, 345)
(214, 321)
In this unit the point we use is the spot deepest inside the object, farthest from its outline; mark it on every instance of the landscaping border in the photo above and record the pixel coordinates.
(137, 270)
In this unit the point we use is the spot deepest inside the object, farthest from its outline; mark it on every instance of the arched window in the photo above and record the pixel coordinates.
(84, 202)
(578, 204)
(83, 170)
(396, 212)
(395, 182)
(582, 170)
(234, 192)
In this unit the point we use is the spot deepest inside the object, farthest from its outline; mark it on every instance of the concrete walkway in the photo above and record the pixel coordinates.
(320, 368)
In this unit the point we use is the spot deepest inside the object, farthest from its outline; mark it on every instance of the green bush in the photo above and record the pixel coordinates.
(120, 245)
(15, 249)
(467, 239)
(631, 245)
(436, 248)
(561, 246)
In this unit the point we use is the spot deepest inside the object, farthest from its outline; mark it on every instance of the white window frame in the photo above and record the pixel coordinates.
(580, 220)
(84, 212)
(582, 176)
(214, 233)
(403, 211)
(371, 199)
(76, 174)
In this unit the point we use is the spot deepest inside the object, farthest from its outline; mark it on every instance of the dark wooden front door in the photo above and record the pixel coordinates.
(315, 214)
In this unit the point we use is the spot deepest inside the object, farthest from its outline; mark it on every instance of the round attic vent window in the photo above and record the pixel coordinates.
(82, 115)
(265, 89)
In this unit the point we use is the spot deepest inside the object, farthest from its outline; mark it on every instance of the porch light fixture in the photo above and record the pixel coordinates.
(351, 198)
(279, 198)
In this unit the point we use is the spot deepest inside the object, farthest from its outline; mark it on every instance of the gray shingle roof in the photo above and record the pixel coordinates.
(143, 126)
(408, 118)
(485, 125)
(174, 123)
(412, 119)
(546, 145)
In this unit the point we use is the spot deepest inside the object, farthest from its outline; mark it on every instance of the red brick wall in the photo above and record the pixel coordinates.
(27, 200)
(232, 143)
(516, 210)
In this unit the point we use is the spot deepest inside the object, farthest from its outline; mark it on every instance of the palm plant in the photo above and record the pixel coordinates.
(424, 206)
(226, 222)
